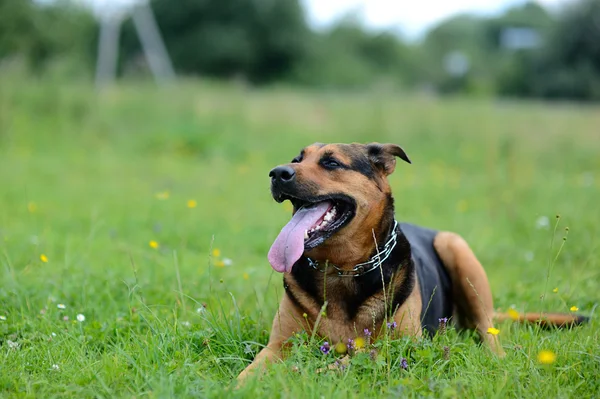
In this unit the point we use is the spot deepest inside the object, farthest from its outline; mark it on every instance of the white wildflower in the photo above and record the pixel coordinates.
(80, 318)
(12, 344)
(542, 222)
(587, 179)
(61, 306)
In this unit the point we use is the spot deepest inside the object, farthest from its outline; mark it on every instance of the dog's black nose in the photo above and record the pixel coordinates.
(282, 174)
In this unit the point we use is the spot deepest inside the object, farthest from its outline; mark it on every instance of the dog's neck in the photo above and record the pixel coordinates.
(382, 253)
(356, 289)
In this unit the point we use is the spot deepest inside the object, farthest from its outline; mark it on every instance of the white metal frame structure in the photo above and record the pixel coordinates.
(111, 19)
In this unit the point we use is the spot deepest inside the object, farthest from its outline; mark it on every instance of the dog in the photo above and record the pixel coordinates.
(349, 267)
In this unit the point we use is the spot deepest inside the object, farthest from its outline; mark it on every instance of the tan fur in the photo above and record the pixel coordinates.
(471, 289)
(543, 319)
(288, 321)
(408, 316)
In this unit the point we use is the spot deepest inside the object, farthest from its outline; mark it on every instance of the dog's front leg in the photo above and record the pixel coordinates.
(286, 323)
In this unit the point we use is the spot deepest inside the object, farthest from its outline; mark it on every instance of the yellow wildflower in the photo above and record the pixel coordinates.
(359, 343)
(513, 314)
(341, 348)
(555, 290)
(163, 195)
(245, 276)
(216, 252)
(220, 263)
(574, 308)
(43, 258)
(493, 331)
(546, 357)
(31, 207)
(153, 244)
(192, 203)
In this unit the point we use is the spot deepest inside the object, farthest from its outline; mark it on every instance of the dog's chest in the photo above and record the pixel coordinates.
(340, 308)
(336, 326)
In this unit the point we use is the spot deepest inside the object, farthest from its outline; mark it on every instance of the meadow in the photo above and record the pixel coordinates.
(135, 223)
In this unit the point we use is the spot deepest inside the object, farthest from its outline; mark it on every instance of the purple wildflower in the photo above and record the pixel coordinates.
(442, 326)
(341, 366)
(404, 363)
(367, 333)
(325, 348)
(373, 355)
(392, 325)
(350, 344)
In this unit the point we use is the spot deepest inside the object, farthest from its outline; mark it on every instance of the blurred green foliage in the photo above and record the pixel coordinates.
(266, 42)
(60, 36)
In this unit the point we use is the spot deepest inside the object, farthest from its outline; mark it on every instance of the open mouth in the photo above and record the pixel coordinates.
(314, 220)
(338, 211)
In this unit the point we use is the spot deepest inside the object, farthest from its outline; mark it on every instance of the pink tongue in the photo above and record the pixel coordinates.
(289, 244)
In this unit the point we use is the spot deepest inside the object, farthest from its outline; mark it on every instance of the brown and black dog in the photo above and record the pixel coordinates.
(349, 266)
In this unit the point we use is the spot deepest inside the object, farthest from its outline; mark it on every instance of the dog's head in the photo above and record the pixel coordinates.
(340, 195)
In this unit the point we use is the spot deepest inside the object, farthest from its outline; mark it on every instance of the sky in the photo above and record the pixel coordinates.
(410, 17)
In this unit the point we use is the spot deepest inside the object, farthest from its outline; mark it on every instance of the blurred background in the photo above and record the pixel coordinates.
(546, 49)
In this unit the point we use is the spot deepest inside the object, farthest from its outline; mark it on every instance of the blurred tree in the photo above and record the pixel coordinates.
(459, 37)
(44, 33)
(530, 16)
(260, 40)
(347, 55)
(567, 66)
(16, 27)
(524, 52)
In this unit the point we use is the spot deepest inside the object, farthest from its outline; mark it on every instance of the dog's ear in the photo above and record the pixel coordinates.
(383, 156)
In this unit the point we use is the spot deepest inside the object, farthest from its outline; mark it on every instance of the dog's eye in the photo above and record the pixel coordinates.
(298, 159)
(330, 163)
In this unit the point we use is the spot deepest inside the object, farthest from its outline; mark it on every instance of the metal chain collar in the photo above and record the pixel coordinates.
(366, 267)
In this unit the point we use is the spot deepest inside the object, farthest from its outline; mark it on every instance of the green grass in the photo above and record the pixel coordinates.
(79, 177)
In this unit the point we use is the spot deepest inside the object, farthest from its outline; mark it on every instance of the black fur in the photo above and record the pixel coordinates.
(363, 166)
(305, 277)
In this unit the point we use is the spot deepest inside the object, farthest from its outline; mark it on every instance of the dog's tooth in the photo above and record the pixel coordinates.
(324, 223)
(305, 234)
